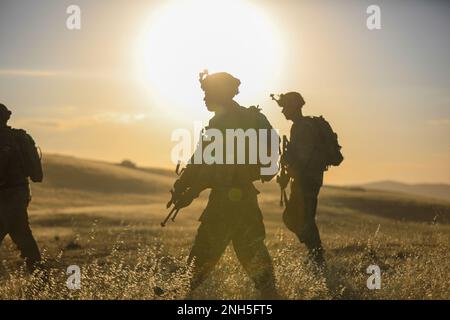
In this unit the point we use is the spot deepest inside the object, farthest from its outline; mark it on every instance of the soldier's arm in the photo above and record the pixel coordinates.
(187, 178)
(264, 123)
(272, 144)
(192, 171)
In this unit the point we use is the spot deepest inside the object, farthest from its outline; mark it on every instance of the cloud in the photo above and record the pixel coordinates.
(116, 117)
(103, 74)
(439, 122)
(73, 122)
(28, 73)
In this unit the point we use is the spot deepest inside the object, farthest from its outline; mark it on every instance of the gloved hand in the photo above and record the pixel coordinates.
(185, 199)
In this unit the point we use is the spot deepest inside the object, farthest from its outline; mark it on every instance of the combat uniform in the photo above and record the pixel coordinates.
(303, 156)
(15, 197)
(232, 213)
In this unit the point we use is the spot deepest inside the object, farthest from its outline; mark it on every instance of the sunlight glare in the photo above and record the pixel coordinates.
(183, 38)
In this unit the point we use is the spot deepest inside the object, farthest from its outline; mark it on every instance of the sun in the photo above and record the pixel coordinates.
(182, 38)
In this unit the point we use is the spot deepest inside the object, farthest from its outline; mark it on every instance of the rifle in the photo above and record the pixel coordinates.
(176, 194)
(188, 186)
(173, 212)
(183, 200)
(283, 178)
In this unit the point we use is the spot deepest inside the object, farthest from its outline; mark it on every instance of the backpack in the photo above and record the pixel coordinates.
(5, 155)
(330, 150)
(245, 119)
(19, 157)
(30, 157)
(260, 121)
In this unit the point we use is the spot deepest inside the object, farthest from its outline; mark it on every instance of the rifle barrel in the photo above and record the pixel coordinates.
(163, 224)
(175, 215)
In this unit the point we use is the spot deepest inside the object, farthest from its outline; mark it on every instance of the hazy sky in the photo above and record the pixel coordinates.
(386, 92)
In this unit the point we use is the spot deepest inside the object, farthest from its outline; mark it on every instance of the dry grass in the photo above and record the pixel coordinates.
(127, 258)
(123, 253)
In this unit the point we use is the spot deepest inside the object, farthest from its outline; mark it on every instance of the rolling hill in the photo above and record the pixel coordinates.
(70, 181)
(63, 172)
(105, 218)
(436, 190)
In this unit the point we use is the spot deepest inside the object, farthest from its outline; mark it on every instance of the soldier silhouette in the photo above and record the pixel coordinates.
(312, 148)
(19, 160)
(232, 213)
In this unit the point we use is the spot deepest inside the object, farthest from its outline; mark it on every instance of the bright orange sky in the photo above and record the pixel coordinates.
(118, 87)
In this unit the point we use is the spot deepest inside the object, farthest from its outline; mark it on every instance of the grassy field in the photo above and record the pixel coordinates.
(105, 219)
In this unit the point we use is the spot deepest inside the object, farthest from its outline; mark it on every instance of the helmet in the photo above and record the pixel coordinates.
(220, 83)
(291, 98)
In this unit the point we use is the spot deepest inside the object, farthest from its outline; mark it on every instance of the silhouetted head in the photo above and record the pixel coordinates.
(291, 103)
(220, 89)
(5, 114)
